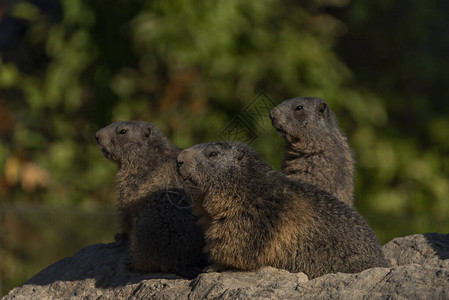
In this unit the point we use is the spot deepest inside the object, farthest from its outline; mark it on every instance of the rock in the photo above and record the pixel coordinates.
(428, 248)
(265, 283)
(405, 282)
(419, 270)
(98, 272)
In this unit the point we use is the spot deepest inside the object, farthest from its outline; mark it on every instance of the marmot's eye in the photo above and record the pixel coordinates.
(299, 107)
(123, 131)
(213, 154)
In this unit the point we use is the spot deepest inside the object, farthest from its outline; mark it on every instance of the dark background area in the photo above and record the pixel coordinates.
(70, 67)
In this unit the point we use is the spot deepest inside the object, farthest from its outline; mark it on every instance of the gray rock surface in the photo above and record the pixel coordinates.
(428, 248)
(419, 270)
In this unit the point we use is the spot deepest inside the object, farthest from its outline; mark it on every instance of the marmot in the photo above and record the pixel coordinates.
(255, 216)
(317, 151)
(154, 210)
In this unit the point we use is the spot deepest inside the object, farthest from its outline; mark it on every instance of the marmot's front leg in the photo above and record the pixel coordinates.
(216, 268)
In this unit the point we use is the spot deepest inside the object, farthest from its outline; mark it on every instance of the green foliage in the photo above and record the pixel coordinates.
(403, 169)
(191, 67)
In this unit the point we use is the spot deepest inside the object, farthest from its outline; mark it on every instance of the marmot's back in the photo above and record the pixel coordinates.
(335, 234)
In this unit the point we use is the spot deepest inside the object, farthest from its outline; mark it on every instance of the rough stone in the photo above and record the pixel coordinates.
(419, 270)
(265, 283)
(428, 248)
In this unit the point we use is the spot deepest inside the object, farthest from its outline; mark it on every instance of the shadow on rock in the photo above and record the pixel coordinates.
(105, 263)
(440, 243)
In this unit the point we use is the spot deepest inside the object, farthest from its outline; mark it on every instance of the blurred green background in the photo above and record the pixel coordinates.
(70, 67)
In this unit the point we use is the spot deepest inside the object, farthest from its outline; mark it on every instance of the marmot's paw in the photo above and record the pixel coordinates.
(214, 268)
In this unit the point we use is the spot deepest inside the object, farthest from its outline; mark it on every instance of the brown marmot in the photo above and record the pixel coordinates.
(317, 151)
(154, 210)
(255, 216)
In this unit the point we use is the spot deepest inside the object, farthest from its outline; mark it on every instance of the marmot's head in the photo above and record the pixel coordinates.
(221, 168)
(132, 142)
(304, 120)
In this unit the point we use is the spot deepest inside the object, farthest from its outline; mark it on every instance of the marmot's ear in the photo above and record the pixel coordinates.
(321, 108)
(147, 132)
(239, 155)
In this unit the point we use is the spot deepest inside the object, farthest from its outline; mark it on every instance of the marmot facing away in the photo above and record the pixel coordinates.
(317, 152)
(154, 210)
(254, 216)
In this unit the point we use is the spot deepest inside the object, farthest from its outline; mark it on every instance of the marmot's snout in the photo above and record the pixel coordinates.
(185, 165)
(100, 136)
(275, 122)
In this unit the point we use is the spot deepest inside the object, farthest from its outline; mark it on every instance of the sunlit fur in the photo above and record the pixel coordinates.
(317, 151)
(254, 216)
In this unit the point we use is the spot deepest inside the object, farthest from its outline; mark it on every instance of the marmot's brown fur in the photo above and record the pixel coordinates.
(254, 216)
(317, 151)
(154, 211)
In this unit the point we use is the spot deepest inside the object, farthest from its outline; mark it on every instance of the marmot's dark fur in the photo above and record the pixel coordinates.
(254, 216)
(317, 151)
(154, 211)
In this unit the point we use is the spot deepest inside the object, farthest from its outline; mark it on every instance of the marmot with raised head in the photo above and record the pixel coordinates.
(155, 212)
(255, 216)
(317, 151)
